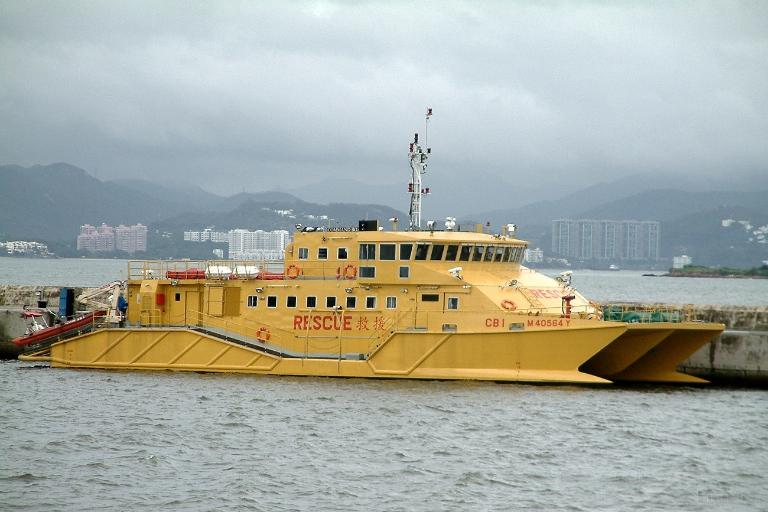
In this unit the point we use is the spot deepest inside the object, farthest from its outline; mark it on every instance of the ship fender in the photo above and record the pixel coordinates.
(508, 305)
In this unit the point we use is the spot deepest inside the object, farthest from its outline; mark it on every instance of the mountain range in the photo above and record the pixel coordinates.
(50, 202)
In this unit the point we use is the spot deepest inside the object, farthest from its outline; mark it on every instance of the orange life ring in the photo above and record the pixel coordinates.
(508, 305)
(293, 271)
(350, 272)
(263, 334)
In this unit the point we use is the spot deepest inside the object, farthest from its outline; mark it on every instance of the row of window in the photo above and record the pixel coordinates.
(404, 272)
(351, 301)
(426, 251)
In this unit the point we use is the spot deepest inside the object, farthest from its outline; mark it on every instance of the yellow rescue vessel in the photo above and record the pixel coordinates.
(423, 303)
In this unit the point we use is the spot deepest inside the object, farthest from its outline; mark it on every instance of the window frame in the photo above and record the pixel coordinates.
(394, 251)
(438, 249)
(367, 251)
(303, 253)
(328, 299)
(295, 301)
(393, 300)
(417, 256)
(368, 299)
(319, 257)
(409, 251)
(252, 303)
(314, 299)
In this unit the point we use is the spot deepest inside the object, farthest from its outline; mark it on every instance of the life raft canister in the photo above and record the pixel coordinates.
(263, 334)
(293, 272)
(508, 305)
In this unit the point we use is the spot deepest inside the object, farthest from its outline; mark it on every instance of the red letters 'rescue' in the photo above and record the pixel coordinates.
(322, 322)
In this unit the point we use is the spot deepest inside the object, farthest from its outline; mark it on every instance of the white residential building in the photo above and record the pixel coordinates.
(258, 245)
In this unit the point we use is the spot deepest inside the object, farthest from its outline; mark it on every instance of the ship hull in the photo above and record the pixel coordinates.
(598, 354)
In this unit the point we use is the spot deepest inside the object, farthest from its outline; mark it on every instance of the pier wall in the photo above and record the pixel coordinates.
(739, 355)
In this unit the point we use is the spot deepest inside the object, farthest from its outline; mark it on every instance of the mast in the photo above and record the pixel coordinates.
(418, 159)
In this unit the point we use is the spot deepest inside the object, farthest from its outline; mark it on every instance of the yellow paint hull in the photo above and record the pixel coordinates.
(596, 353)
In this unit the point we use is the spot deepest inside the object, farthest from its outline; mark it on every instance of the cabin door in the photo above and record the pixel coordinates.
(429, 306)
(184, 307)
(192, 310)
(177, 307)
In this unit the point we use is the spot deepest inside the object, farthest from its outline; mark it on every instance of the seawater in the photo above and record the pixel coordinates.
(116, 441)
(99, 440)
(604, 286)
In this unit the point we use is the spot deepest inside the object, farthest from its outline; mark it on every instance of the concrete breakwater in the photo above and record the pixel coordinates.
(739, 355)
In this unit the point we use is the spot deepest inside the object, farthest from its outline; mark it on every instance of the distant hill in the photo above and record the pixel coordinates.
(50, 202)
(640, 196)
(690, 221)
(180, 194)
(268, 212)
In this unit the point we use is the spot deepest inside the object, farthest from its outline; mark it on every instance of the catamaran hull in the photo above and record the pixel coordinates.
(592, 355)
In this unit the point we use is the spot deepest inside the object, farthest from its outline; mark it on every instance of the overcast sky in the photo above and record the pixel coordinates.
(256, 95)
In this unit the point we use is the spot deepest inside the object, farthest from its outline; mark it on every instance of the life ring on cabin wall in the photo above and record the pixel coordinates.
(263, 334)
(508, 305)
(350, 272)
(293, 271)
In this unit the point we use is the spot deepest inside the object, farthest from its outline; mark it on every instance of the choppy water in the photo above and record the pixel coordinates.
(624, 285)
(97, 440)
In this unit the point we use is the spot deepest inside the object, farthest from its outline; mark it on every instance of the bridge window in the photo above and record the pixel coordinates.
(303, 253)
(391, 302)
(489, 253)
(290, 301)
(437, 252)
(405, 272)
(421, 251)
(517, 254)
(369, 272)
(466, 250)
(311, 302)
(330, 302)
(453, 303)
(322, 253)
(499, 254)
(430, 297)
(450, 252)
(387, 252)
(351, 302)
(405, 251)
(253, 301)
(507, 253)
(477, 253)
(342, 253)
(177, 297)
(370, 302)
(367, 251)
(272, 301)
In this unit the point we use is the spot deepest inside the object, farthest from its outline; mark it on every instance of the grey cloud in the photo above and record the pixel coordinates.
(241, 95)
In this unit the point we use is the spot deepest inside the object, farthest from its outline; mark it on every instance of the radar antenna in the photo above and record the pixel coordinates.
(418, 159)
